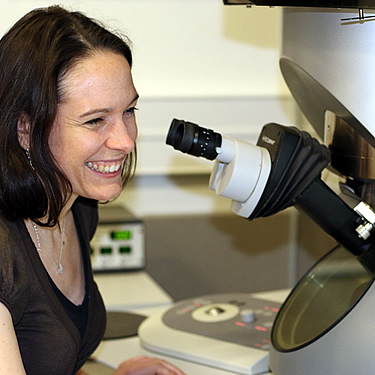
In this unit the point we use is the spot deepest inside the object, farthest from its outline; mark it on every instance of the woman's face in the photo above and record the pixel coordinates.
(95, 127)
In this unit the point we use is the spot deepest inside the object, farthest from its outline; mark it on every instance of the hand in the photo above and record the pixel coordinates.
(147, 366)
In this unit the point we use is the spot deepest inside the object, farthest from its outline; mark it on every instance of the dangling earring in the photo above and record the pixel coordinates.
(29, 158)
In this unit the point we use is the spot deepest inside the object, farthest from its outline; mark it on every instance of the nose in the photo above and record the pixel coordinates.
(122, 136)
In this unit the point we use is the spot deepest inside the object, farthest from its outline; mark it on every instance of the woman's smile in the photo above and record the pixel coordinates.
(95, 127)
(104, 167)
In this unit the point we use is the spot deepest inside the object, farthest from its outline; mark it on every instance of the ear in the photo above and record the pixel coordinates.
(23, 131)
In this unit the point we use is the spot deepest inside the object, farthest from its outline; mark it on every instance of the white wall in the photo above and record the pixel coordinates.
(193, 59)
(187, 47)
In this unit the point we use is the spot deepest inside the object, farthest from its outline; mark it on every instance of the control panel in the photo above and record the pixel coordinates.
(236, 318)
(226, 331)
(119, 241)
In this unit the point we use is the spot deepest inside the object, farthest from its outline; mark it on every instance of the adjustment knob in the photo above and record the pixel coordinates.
(248, 316)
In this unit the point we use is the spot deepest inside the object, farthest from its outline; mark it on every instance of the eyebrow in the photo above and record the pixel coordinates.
(103, 110)
(94, 112)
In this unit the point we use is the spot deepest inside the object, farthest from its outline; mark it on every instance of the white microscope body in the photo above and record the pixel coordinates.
(328, 62)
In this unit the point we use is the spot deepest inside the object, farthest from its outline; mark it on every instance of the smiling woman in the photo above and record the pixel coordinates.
(95, 128)
(37, 55)
(68, 131)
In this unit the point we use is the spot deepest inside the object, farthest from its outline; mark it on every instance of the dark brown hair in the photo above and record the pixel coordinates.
(35, 55)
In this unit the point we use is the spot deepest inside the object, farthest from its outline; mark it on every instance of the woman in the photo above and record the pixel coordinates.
(67, 135)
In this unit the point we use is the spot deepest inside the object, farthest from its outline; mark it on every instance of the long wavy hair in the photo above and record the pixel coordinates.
(35, 55)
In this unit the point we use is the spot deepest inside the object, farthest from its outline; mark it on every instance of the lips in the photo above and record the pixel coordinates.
(104, 167)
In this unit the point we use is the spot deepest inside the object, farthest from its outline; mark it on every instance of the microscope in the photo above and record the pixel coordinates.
(326, 325)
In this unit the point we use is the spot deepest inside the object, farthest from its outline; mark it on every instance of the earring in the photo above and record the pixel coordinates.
(29, 158)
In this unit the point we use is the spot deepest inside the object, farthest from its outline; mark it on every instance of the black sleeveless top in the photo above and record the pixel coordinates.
(48, 334)
(77, 314)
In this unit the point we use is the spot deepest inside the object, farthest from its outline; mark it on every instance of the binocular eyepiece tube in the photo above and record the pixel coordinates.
(192, 139)
(240, 171)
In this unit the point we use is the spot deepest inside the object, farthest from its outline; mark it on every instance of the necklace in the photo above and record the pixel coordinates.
(60, 269)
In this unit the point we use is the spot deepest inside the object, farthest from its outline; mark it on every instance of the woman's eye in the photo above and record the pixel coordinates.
(130, 111)
(94, 121)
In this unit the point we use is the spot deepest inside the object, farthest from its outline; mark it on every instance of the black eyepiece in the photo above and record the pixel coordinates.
(193, 140)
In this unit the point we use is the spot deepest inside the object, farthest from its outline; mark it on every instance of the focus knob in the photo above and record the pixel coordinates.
(248, 316)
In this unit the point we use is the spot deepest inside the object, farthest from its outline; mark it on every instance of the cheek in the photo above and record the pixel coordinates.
(133, 131)
(55, 144)
(65, 149)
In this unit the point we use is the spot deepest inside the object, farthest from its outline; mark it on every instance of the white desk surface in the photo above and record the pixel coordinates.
(131, 291)
(137, 292)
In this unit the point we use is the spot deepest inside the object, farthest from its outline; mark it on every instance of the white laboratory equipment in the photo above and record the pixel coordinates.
(119, 241)
(225, 331)
(328, 56)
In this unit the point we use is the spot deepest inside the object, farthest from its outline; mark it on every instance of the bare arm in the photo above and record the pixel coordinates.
(10, 357)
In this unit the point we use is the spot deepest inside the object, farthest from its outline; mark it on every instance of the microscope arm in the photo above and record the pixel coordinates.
(281, 171)
(334, 216)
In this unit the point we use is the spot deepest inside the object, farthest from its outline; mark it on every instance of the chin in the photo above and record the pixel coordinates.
(104, 197)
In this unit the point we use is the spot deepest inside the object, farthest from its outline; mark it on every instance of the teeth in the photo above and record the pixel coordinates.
(104, 168)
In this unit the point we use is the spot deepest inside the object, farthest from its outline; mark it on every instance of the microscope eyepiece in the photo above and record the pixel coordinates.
(194, 140)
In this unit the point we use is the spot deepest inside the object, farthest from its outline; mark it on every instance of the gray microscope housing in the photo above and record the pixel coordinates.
(328, 60)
